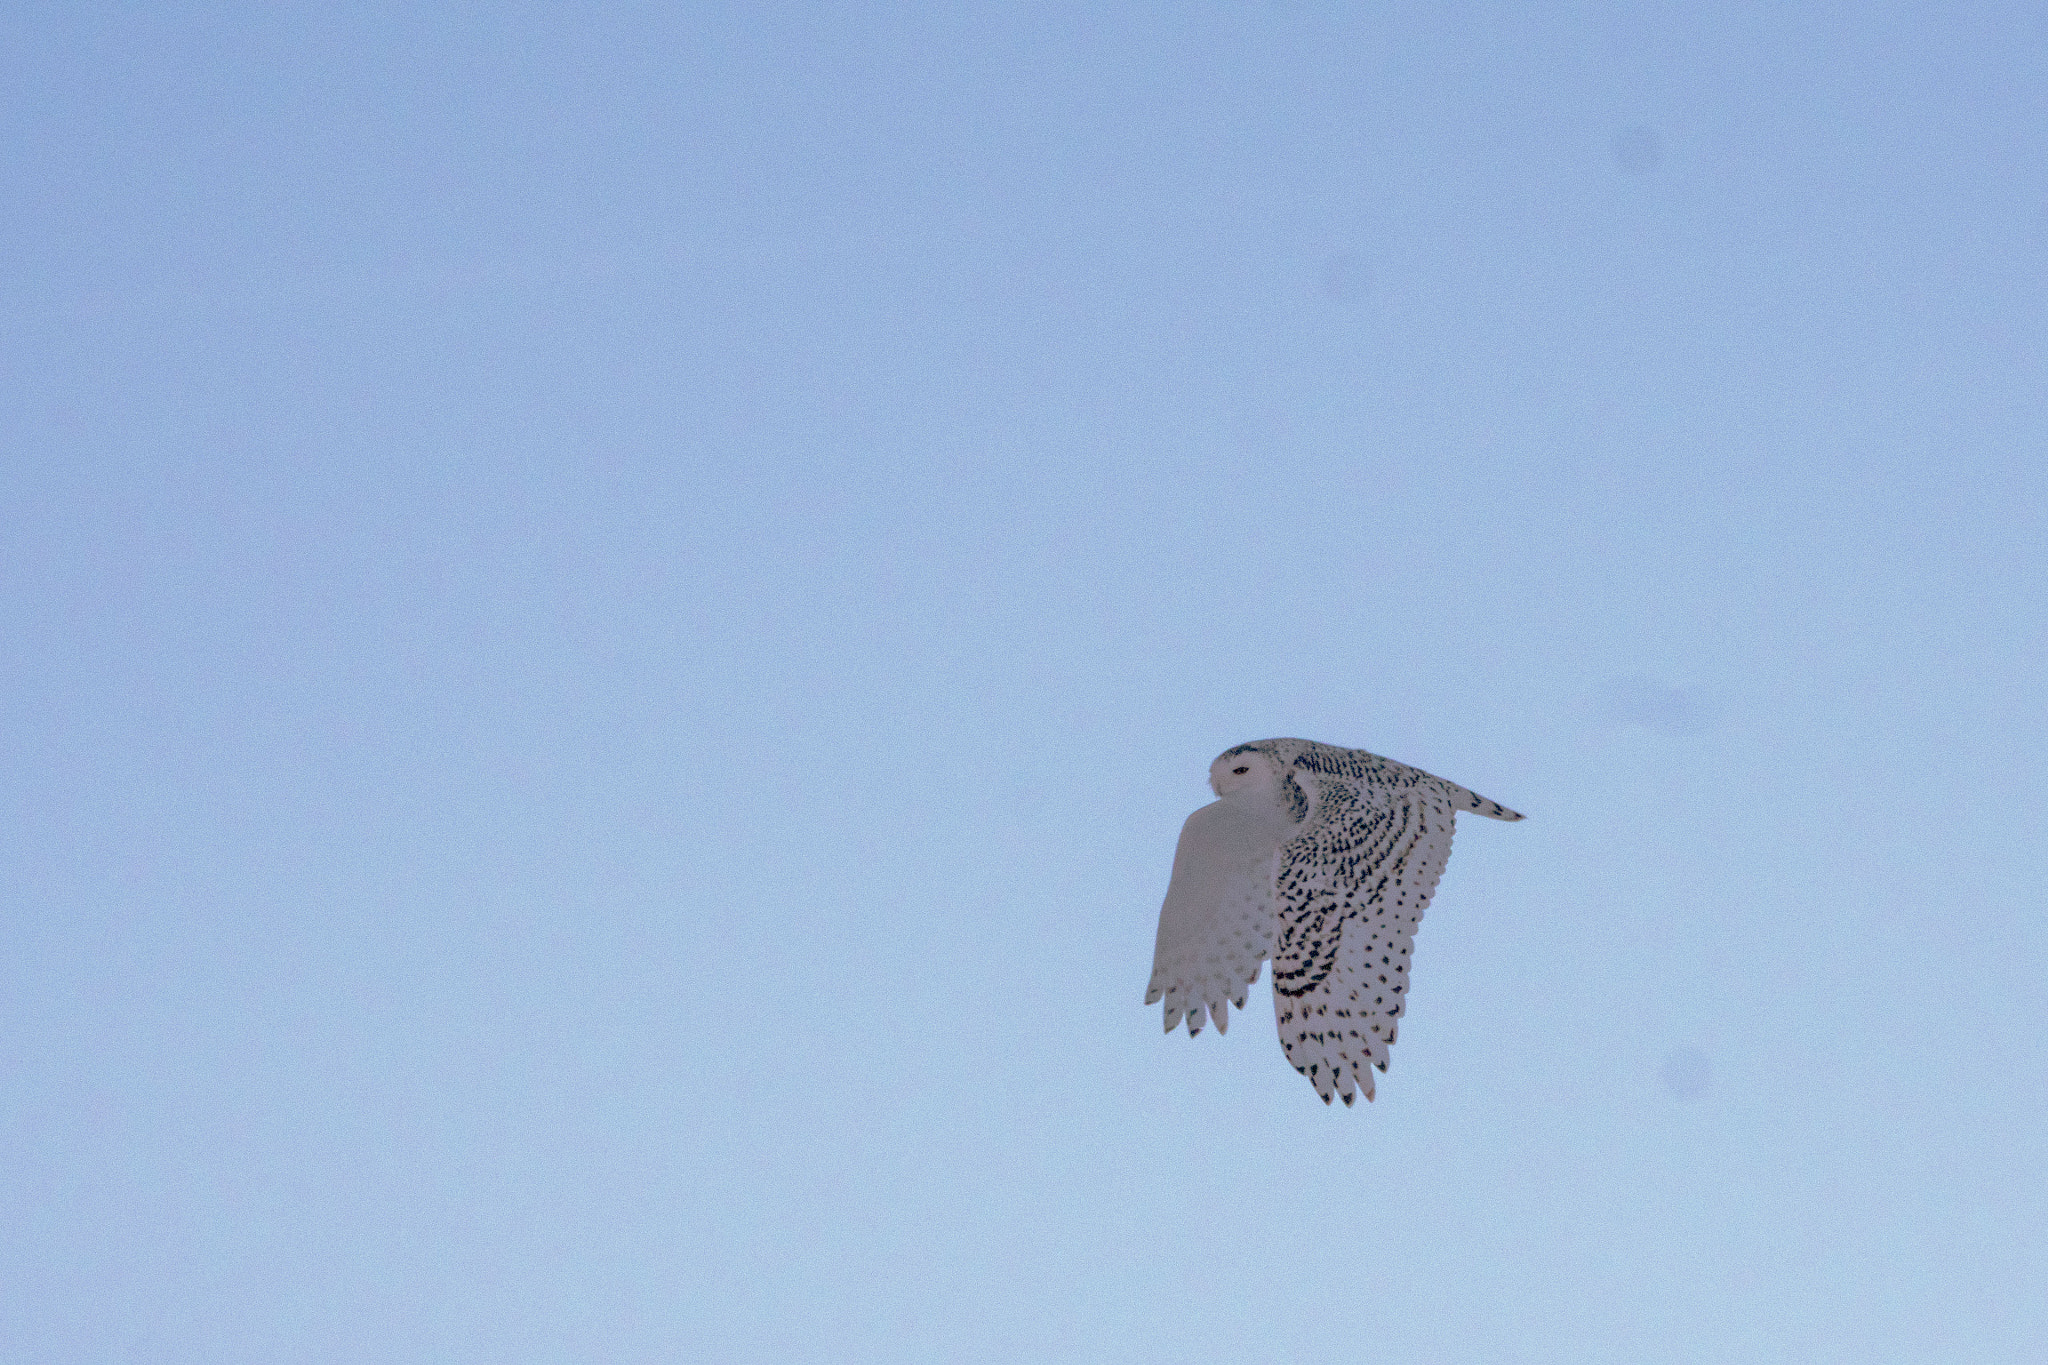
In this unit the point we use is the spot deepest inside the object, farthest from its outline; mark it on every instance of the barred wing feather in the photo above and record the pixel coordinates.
(1350, 890)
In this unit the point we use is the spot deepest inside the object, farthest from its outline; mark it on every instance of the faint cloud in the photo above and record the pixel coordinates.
(1346, 278)
(1654, 705)
(1686, 1072)
(1637, 149)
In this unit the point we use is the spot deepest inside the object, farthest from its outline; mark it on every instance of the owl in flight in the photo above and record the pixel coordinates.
(1322, 859)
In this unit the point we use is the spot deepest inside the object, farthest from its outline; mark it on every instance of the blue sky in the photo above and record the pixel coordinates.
(612, 612)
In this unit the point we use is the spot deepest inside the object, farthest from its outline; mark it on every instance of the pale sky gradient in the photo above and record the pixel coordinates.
(611, 612)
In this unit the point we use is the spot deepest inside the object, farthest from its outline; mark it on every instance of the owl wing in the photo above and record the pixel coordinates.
(1217, 923)
(1349, 891)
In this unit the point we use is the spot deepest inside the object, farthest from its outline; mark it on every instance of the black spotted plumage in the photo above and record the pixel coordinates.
(1361, 845)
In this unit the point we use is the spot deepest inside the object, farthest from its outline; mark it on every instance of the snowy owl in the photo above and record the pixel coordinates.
(1322, 859)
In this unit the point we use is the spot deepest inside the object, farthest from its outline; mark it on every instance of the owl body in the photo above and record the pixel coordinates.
(1321, 859)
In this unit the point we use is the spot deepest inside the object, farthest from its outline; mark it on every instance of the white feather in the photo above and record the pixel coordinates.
(1323, 859)
(1217, 923)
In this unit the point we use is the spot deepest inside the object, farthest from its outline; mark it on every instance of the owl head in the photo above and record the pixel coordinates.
(1242, 769)
(1262, 767)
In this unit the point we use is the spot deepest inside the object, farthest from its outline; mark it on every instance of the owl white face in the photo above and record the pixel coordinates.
(1238, 772)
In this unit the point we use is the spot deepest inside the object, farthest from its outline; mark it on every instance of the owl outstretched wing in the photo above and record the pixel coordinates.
(1349, 892)
(1217, 924)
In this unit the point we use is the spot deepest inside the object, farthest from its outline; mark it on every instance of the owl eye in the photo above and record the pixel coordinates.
(1240, 771)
